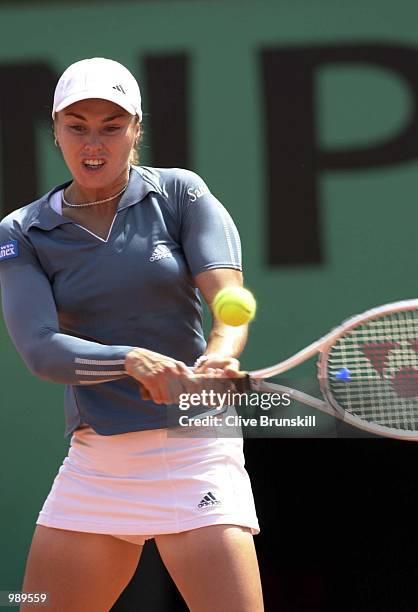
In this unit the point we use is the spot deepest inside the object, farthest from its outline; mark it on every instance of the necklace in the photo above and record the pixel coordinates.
(93, 203)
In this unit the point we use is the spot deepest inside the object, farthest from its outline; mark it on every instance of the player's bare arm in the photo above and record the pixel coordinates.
(225, 343)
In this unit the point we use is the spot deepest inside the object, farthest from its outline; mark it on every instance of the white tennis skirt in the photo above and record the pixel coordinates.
(144, 483)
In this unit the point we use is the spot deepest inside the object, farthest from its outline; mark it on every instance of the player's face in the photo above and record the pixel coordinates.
(96, 138)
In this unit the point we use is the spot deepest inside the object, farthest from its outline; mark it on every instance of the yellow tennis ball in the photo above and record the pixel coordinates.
(234, 306)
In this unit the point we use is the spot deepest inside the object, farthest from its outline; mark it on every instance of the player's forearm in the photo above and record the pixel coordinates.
(34, 329)
(70, 360)
(226, 340)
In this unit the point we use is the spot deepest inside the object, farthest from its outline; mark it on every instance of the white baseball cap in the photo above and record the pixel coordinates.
(98, 78)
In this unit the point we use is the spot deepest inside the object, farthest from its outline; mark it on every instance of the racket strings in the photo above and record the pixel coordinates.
(381, 358)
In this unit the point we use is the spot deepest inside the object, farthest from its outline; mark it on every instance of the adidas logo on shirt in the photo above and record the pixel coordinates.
(209, 500)
(160, 252)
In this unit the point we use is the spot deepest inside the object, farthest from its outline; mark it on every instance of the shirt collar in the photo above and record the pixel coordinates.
(140, 184)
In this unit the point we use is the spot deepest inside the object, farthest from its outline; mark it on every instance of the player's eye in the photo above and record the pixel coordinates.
(77, 128)
(110, 129)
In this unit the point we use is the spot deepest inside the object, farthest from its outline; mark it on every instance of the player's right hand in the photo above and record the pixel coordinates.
(162, 379)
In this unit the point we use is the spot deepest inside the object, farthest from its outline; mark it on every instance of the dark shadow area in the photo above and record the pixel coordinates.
(339, 523)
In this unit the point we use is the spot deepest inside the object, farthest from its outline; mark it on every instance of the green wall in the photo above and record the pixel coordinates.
(368, 217)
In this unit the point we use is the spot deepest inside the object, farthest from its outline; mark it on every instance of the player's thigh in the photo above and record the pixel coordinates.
(80, 571)
(215, 568)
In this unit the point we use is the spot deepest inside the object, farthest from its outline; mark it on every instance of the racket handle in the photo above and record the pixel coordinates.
(244, 384)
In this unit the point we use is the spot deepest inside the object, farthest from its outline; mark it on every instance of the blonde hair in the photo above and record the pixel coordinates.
(134, 154)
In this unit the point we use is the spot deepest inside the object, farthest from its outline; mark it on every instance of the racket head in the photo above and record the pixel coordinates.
(368, 370)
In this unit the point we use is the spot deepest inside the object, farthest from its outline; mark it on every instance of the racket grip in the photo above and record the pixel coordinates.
(243, 385)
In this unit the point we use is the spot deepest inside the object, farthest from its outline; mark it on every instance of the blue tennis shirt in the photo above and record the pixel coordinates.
(75, 304)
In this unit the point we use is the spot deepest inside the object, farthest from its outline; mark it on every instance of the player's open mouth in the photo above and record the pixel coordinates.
(93, 164)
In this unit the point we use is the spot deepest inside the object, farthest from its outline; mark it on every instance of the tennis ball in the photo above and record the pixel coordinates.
(234, 306)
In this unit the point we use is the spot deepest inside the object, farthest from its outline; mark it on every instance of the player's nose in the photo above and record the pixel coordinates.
(93, 143)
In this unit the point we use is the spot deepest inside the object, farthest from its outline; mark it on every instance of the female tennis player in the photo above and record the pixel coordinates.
(100, 281)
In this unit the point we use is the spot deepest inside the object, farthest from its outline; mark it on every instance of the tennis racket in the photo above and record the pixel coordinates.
(367, 370)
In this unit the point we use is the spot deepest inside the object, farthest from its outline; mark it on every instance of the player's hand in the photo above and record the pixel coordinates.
(219, 366)
(161, 378)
